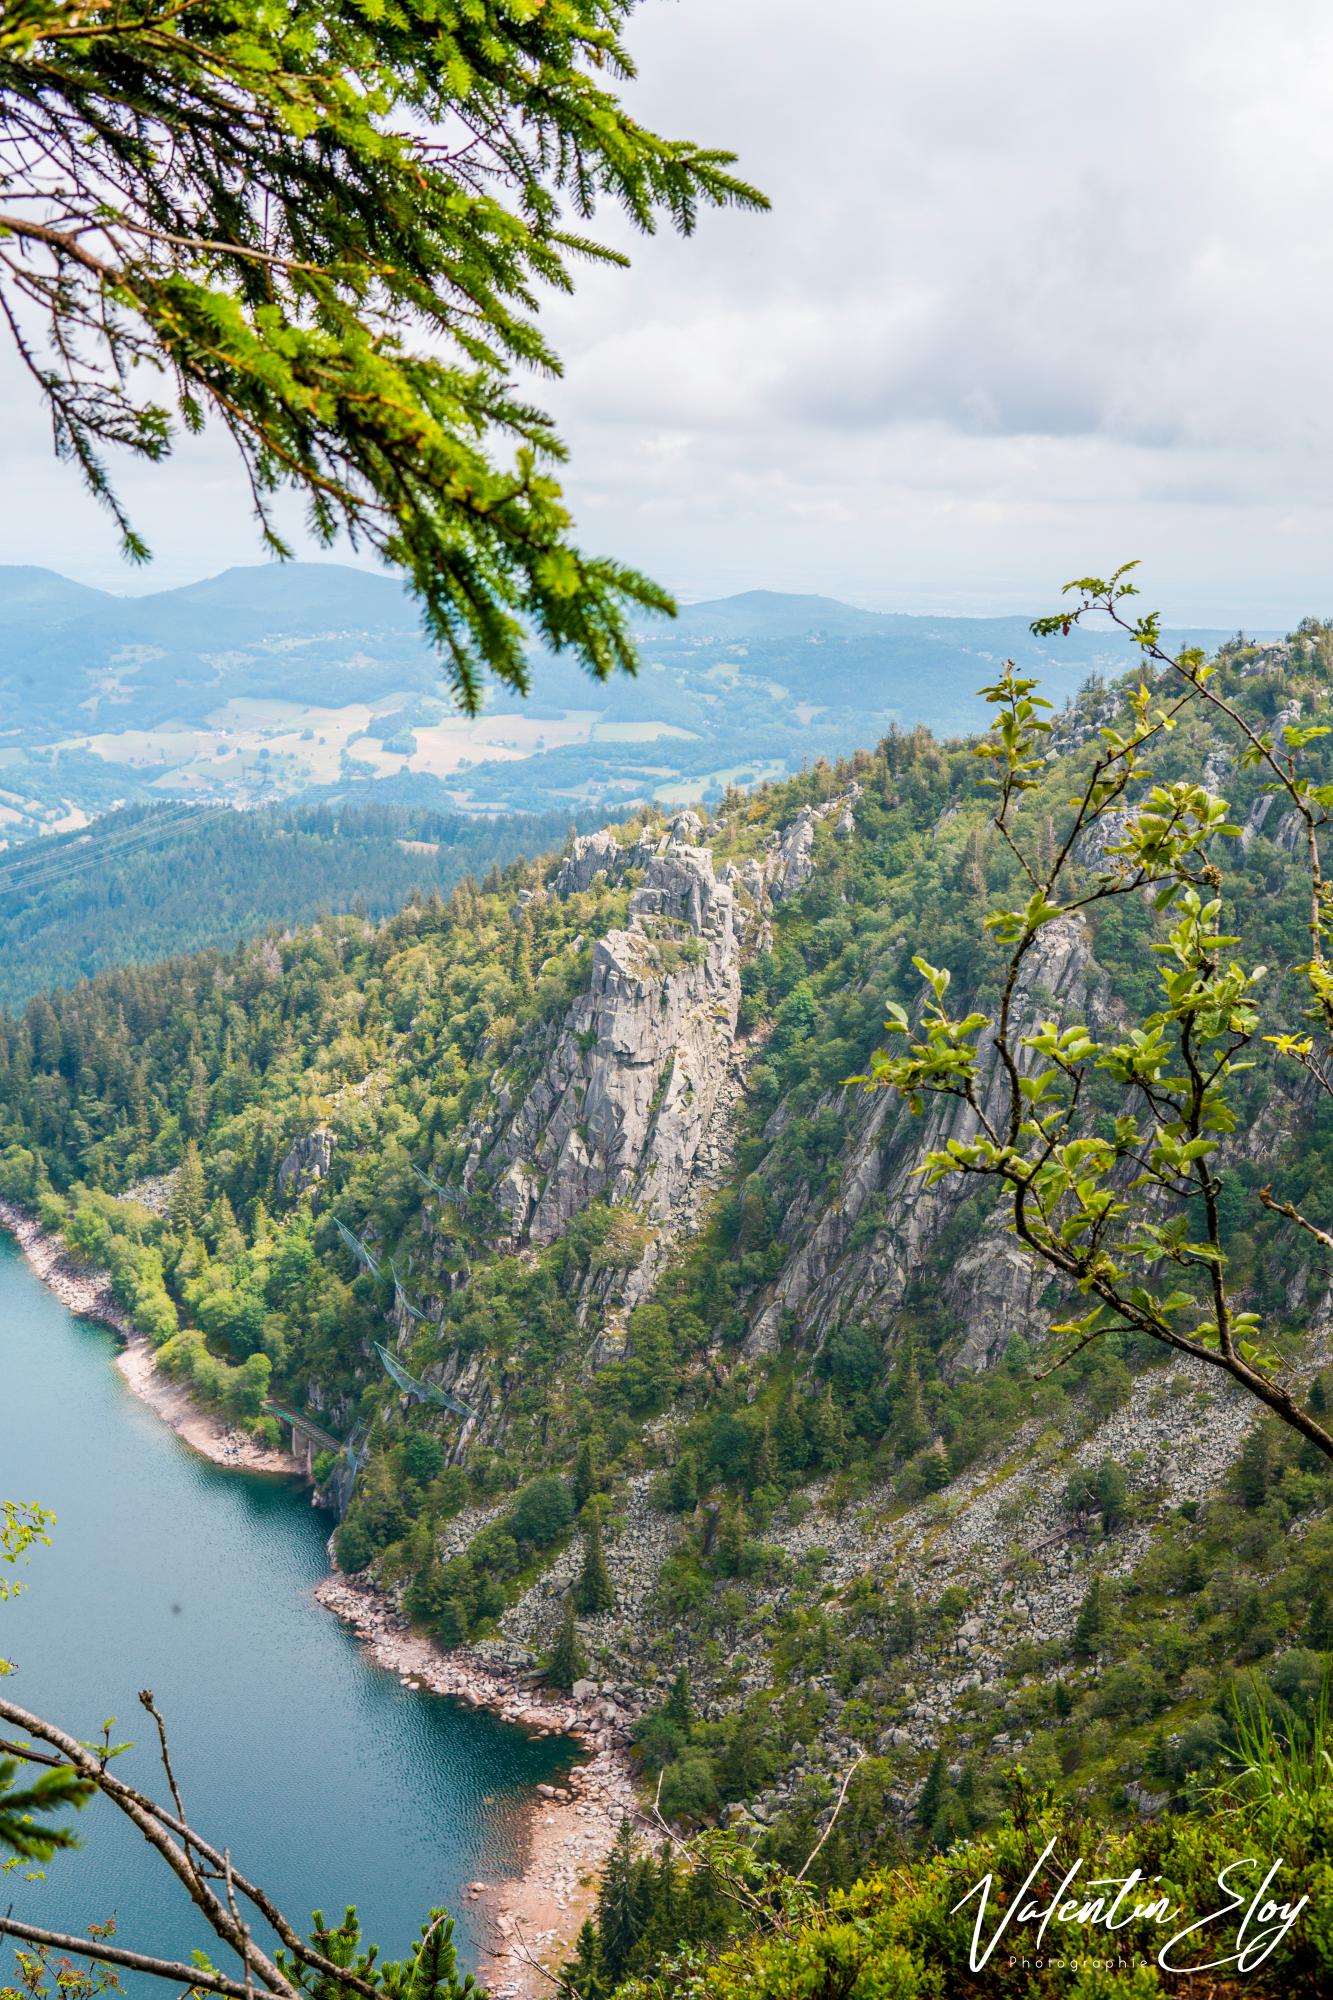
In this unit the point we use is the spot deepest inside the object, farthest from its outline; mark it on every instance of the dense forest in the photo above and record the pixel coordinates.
(149, 881)
(764, 1449)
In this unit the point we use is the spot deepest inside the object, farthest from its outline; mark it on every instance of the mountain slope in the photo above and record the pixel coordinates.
(149, 881)
(576, 1149)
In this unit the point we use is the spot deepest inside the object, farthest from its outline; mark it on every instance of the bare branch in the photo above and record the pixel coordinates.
(833, 1817)
(189, 1976)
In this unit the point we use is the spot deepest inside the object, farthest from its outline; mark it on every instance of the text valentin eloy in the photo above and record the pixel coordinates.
(1264, 1920)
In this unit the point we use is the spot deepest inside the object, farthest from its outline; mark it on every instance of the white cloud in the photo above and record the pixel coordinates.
(1043, 286)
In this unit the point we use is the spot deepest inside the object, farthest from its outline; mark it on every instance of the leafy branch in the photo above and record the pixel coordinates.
(1129, 1216)
(327, 228)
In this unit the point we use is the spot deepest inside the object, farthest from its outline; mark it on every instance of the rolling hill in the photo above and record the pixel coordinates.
(274, 682)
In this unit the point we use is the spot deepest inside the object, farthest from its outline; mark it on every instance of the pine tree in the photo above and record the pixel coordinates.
(451, 1628)
(434, 1964)
(1192, 1577)
(909, 1429)
(904, 1621)
(521, 961)
(582, 1973)
(22, 1833)
(934, 1469)
(618, 1908)
(221, 1230)
(593, 1592)
(1111, 1494)
(828, 1436)
(746, 1761)
(1253, 1467)
(261, 177)
(663, 1916)
(185, 1208)
(766, 1461)
(790, 1435)
(932, 1793)
(732, 1538)
(568, 1662)
(679, 1704)
(587, 1477)
(1319, 1627)
(1091, 1621)
(684, 1484)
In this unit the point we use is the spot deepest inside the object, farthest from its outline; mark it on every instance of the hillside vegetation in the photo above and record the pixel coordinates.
(719, 1369)
(150, 881)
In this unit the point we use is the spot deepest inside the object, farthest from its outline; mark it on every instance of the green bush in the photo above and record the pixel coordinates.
(542, 1512)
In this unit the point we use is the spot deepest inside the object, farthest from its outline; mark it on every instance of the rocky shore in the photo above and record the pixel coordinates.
(534, 1919)
(86, 1290)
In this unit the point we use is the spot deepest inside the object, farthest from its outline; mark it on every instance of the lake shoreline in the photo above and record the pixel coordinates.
(85, 1290)
(570, 1827)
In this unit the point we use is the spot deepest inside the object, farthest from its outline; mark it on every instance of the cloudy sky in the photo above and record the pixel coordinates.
(1044, 287)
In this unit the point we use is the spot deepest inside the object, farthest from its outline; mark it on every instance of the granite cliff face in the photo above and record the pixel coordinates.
(636, 1090)
(835, 1271)
(634, 1085)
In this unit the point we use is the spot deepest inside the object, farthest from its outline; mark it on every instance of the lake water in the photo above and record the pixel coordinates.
(330, 1782)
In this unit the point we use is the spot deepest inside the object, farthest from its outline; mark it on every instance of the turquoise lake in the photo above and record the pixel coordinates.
(330, 1781)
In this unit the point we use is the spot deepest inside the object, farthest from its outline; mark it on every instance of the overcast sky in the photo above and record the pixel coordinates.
(1044, 287)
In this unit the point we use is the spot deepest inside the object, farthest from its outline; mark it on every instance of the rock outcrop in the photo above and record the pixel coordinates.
(635, 1079)
(637, 1087)
(839, 1271)
(307, 1162)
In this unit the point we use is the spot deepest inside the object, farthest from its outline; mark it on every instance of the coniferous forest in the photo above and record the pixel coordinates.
(756, 1223)
(793, 1470)
(149, 882)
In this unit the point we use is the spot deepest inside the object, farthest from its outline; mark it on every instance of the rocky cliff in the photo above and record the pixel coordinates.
(577, 1152)
(638, 1086)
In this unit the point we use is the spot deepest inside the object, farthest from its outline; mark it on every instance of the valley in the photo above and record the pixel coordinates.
(272, 683)
(666, 1370)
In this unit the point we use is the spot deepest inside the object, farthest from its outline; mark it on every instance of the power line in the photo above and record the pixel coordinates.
(43, 863)
(103, 850)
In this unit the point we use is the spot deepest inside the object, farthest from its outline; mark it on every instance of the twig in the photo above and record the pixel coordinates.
(1270, 1202)
(134, 1961)
(242, 1926)
(851, 1773)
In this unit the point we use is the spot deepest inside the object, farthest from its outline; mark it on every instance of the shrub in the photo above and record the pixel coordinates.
(542, 1511)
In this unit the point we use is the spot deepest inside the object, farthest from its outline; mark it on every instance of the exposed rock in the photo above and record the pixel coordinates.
(154, 1192)
(794, 855)
(827, 1277)
(1260, 808)
(636, 1076)
(590, 855)
(634, 1557)
(307, 1162)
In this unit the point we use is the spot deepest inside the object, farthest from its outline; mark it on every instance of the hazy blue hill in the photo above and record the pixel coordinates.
(296, 592)
(771, 614)
(28, 594)
(279, 680)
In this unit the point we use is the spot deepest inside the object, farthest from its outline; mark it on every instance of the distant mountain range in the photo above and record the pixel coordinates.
(278, 681)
